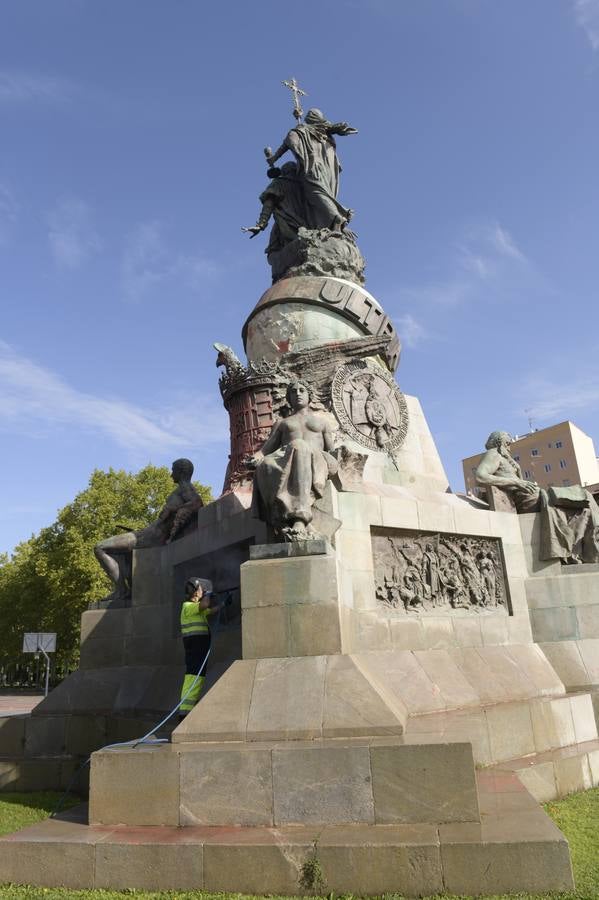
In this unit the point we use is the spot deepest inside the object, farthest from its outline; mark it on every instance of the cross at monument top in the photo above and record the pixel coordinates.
(297, 93)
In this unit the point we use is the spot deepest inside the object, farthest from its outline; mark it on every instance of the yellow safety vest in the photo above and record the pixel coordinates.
(193, 619)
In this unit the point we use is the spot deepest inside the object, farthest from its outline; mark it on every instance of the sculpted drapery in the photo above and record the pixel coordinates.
(293, 467)
(315, 151)
(569, 515)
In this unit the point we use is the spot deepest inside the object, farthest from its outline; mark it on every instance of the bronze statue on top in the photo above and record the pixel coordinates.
(313, 146)
(569, 515)
(302, 197)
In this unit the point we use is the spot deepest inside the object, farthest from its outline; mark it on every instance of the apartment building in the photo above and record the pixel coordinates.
(558, 455)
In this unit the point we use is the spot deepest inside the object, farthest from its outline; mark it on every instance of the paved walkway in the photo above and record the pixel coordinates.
(17, 704)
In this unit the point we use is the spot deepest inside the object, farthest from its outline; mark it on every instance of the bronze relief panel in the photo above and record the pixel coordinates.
(420, 573)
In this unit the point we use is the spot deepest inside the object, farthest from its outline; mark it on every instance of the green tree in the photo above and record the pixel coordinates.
(50, 579)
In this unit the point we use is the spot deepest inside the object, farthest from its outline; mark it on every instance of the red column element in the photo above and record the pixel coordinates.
(251, 417)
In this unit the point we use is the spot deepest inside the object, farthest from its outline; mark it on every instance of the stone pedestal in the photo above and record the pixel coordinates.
(302, 312)
(322, 782)
(291, 604)
(564, 611)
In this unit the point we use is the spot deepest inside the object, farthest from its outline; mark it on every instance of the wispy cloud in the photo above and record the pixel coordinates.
(142, 266)
(72, 237)
(587, 16)
(8, 213)
(483, 254)
(33, 397)
(547, 400)
(504, 243)
(412, 331)
(149, 262)
(27, 87)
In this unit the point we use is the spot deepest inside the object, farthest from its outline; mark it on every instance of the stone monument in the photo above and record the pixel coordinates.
(398, 659)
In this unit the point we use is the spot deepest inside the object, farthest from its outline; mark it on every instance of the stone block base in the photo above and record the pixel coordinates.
(314, 547)
(577, 664)
(291, 604)
(43, 752)
(487, 693)
(292, 783)
(515, 848)
(41, 773)
(508, 731)
(556, 773)
(115, 690)
(301, 698)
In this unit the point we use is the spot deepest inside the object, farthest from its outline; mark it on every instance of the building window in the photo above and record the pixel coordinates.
(517, 458)
(528, 474)
(534, 452)
(558, 444)
(550, 445)
(563, 464)
(547, 467)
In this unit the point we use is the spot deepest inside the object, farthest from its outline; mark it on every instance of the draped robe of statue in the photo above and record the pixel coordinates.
(292, 471)
(283, 199)
(315, 151)
(569, 515)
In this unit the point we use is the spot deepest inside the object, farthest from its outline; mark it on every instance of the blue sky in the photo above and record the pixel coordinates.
(131, 154)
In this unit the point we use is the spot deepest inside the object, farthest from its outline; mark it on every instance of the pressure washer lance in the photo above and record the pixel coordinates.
(146, 738)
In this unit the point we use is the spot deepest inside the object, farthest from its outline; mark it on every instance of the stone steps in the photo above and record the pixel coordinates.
(365, 694)
(40, 773)
(555, 773)
(505, 731)
(43, 752)
(515, 847)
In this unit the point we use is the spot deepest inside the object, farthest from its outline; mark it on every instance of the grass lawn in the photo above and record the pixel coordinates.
(577, 816)
(20, 810)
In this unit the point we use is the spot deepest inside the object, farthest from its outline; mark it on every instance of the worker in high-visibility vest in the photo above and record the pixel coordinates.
(195, 631)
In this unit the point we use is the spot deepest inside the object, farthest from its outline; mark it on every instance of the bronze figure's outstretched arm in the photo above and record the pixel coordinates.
(266, 212)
